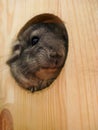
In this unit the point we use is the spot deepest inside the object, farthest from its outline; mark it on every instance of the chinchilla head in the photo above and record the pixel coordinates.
(39, 52)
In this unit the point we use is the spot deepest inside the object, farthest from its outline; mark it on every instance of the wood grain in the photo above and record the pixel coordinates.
(71, 102)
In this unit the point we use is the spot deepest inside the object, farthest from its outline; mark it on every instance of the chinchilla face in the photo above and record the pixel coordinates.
(38, 55)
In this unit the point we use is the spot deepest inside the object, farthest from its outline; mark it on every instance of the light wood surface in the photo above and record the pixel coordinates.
(71, 103)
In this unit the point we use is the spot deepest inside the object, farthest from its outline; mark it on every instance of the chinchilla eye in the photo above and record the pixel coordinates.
(34, 40)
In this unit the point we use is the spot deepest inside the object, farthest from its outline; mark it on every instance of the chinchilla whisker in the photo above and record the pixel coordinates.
(3, 64)
(3, 69)
(25, 70)
(3, 56)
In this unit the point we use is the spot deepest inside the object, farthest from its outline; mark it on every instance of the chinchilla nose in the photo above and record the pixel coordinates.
(55, 58)
(55, 54)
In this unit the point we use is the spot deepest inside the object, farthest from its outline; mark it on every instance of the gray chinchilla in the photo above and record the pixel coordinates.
(39, 52)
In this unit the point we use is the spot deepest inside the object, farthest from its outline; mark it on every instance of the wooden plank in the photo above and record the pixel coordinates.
(71, 103)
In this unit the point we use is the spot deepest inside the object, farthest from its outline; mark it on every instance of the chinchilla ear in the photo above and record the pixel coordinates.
(16, 51)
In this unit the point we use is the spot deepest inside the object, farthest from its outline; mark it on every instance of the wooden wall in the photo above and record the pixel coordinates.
(71, 103)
